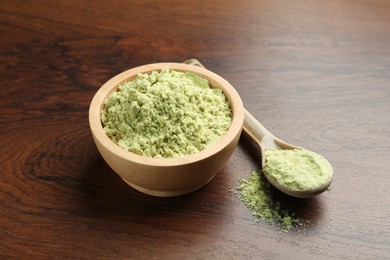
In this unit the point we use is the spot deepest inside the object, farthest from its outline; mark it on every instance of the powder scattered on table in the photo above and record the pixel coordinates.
(167, 113)
(297, 169)
(255, 192)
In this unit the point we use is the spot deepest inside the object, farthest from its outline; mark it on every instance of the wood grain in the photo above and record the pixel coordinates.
(315, 73)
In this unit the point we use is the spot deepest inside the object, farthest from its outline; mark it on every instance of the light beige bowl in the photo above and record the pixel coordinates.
(166, 177)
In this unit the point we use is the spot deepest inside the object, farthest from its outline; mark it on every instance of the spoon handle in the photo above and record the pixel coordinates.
(258, 132)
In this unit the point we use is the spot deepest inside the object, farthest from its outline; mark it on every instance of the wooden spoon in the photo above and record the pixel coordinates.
(266, 140)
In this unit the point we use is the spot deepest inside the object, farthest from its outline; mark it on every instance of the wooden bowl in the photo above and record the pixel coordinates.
(166, 177)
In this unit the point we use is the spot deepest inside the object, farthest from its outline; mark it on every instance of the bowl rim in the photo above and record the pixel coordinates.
(215, 80)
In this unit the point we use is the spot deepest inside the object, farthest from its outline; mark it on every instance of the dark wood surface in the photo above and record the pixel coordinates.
(315, 73)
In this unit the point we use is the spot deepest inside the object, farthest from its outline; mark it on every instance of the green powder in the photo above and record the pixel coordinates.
(297, 169)
(166, 114)
(256, 195)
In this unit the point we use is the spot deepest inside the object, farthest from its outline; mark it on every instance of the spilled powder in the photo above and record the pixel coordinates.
(256, 194)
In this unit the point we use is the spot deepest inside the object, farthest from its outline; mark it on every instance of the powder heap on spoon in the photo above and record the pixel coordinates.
(297, 169)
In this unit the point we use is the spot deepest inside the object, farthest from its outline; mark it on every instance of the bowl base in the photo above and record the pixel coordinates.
(173, 193)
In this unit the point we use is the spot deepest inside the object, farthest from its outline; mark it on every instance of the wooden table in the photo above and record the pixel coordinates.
(316, 73)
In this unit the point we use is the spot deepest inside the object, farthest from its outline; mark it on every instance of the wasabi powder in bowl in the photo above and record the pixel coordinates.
(166, 128)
